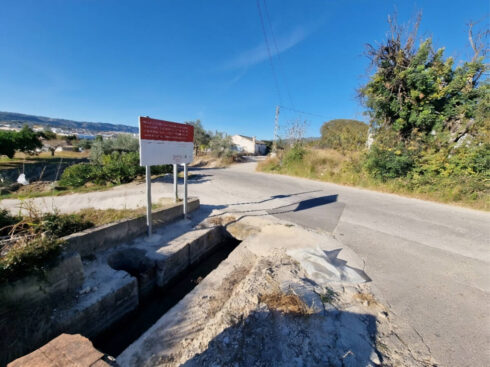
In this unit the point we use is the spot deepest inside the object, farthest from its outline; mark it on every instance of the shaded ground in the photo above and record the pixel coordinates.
(264, 306)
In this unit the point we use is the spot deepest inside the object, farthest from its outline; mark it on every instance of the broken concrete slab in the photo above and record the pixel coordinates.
(65, 350)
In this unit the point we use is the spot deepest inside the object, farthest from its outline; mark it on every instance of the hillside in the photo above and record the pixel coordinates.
(21, 119)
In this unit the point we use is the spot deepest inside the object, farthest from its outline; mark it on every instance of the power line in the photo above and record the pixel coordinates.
(276, 81)
(303, 112)
(278, 54)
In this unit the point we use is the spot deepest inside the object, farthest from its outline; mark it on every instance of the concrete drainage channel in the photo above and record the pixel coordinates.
(111, 283)
(155, 301)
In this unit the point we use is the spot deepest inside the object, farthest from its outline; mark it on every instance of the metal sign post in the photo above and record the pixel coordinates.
(185, 190)
(148, 199)
(176, 194)
(165, 142)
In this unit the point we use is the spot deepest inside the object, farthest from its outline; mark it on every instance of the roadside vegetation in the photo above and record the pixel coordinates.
(429, 132)
(113, 161)
(88, 165)
(30, 241)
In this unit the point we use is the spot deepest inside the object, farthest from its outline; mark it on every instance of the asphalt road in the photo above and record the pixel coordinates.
(430, 261)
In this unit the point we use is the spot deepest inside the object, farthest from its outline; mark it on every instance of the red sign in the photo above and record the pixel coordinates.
(153, 129)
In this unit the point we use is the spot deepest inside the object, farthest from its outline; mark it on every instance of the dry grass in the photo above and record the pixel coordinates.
(347, 169)
(47, 155)
(366, 298)
(104, 216)
(285, 303)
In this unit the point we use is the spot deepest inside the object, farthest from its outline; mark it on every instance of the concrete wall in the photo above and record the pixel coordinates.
(26, 305)
(71, 296)
(104, 237)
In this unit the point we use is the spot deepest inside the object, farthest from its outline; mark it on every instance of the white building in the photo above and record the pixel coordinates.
(249, 145)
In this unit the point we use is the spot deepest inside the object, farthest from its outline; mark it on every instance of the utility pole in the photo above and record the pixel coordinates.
(276, 131)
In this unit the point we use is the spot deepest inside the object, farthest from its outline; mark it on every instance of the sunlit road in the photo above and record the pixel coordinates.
(430, 261)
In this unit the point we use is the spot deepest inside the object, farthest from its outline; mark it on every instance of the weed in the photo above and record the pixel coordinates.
(329, 296)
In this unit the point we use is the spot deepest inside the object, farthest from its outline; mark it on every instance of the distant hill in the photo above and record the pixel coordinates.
(94, 127)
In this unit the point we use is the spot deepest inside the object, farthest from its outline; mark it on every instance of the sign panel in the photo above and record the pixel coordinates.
(165, 142)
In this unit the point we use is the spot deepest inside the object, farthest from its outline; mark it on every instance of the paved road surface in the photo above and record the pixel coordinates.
(431, 261)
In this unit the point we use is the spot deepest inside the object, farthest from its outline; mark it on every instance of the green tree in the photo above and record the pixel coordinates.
(417, 91)
(344, 135)
(429, 117)
(7, 143)
(201, 136)
(47, 134)
(221, 145)
(26, 140)
(121, 143)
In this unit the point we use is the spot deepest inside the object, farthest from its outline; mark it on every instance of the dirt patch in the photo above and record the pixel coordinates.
(35, 187)
(285, 303)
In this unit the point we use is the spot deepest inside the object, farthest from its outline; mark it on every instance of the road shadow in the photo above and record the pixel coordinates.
(274, 197)
(330, 338)
(196, 178)
(304, 204)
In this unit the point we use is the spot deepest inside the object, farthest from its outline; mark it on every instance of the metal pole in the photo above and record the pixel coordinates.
(176, 194)
(185, 190)
(276, 130)
(148, 199)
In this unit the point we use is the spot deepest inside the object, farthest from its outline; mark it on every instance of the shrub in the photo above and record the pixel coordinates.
(79, 174)
(293, 155)
(60, 225)
(28, 255)
(121, 168)
(388, 163)
(160, 170)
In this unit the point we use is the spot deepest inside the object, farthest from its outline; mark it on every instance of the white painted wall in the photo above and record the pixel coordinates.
(248, 146)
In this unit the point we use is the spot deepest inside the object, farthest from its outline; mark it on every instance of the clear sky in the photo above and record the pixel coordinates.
(113, 60)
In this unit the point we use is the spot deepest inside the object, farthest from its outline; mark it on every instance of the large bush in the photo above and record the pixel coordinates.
(116, 168)
(430, 117)
(121, 168)
(344, 135)
(385, 163)
(79, 174)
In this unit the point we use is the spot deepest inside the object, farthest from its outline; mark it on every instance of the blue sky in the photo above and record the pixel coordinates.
(113, 60)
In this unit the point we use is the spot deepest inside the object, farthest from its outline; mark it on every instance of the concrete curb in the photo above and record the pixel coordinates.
(109, 235)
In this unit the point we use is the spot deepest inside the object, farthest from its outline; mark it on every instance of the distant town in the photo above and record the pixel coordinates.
(62, 127)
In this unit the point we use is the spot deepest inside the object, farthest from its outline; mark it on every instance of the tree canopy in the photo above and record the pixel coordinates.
(417, 90)
(430, 117)
(25, 140)
(344, 135)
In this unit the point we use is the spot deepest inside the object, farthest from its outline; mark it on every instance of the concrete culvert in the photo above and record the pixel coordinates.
(135, 262)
